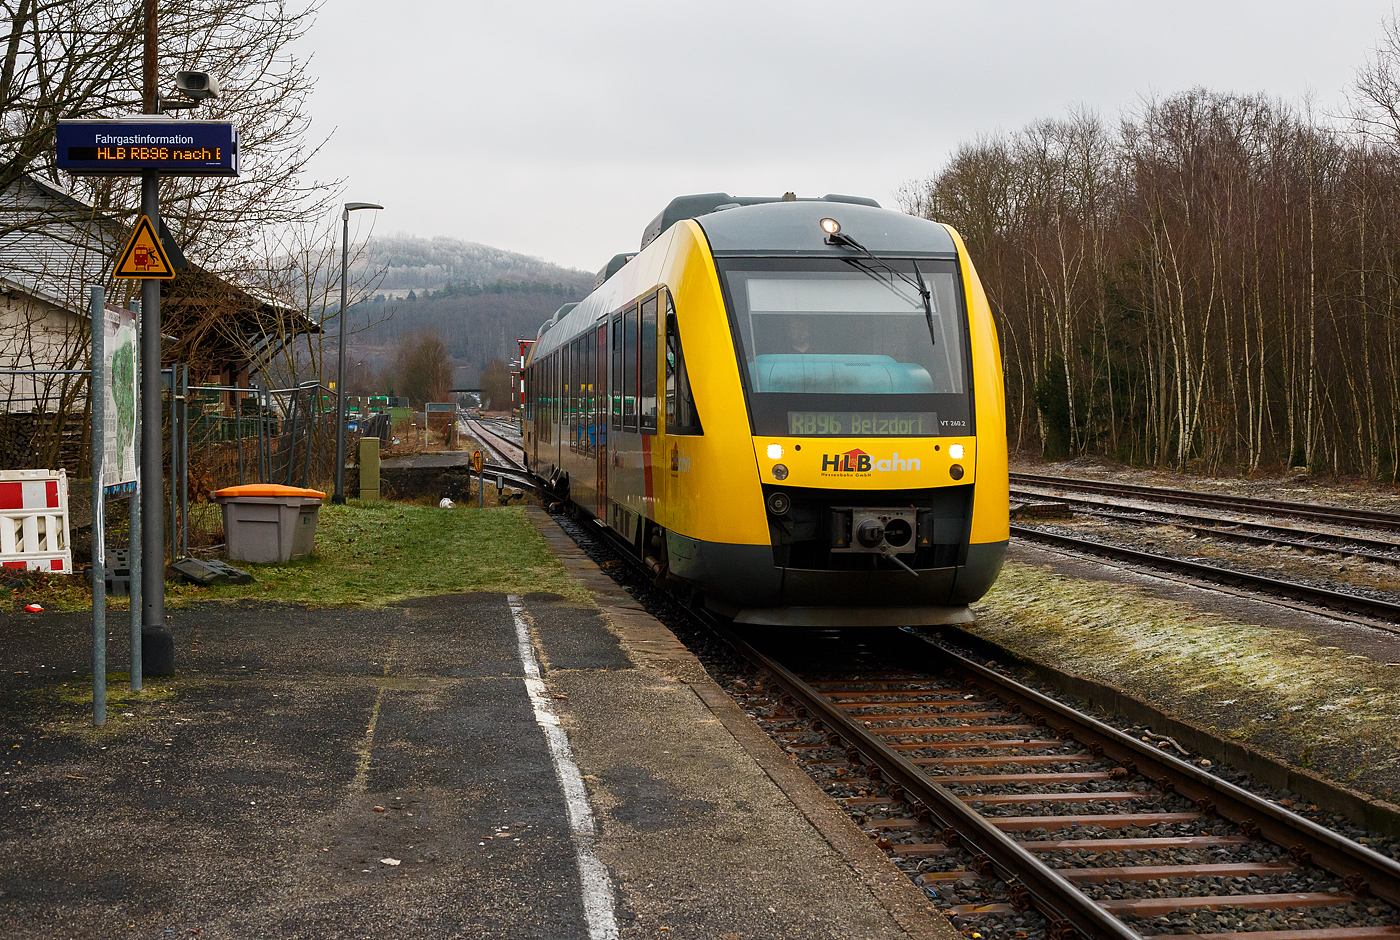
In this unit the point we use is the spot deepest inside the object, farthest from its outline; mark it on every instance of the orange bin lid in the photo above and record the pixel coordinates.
(266, 490)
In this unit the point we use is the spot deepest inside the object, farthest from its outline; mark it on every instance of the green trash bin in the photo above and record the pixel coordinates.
(269, 523)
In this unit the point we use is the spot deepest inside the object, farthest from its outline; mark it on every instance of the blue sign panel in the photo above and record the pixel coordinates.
(129, 145)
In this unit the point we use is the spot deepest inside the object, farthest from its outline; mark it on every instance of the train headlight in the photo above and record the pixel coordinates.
(956, 471)
(955, 451)
(779, 503)
(830, 226)
(779, 472)
(775, 451)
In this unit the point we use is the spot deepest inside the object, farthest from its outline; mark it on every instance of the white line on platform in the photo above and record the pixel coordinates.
(597, 885)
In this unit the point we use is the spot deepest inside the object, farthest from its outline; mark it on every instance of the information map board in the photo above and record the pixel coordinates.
(119, 359)
(120, 146)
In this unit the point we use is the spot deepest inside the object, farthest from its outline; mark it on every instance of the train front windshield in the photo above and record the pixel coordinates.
(839, 348)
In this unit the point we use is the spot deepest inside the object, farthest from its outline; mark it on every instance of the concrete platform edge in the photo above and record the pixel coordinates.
(647, 640)
(1362, 809)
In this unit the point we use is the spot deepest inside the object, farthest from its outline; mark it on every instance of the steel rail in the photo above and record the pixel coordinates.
(512, 471)
(1335, 514)
(1051, 893)
(1224, 533)
(1218, 525)
(1364, 869)
(1335, 600)
(496, 444)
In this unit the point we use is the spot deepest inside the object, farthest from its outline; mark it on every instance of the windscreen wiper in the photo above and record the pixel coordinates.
(846, 241)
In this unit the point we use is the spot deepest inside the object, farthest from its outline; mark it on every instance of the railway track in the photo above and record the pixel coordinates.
(1022, 817)
(1375, 609)
(509, 455)
(1336, 515)
(990, 789)
(1253, 532)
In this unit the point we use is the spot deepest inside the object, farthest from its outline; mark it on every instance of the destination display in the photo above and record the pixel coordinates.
(863, 423)
(122, 146)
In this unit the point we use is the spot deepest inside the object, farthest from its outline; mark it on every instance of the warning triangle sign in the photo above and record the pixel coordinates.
(144, 256)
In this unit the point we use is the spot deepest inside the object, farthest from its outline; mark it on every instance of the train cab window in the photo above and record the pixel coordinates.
(629, 369)
(681, 416)
(647, 392)
(617, 372)
(840, 347)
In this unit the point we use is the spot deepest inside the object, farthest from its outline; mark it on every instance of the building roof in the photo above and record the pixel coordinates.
(56, 247)
(52, 245)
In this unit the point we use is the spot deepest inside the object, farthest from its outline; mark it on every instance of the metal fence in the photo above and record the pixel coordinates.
(282, 436)
(214, 436)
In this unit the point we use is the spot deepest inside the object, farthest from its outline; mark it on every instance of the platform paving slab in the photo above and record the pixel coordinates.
(269, 788)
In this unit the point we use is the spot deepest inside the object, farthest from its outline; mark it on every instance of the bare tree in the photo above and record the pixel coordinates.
(496, 385)
(66, 59)
(423, 369)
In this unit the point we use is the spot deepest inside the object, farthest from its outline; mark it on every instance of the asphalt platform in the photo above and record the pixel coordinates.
(389, 773)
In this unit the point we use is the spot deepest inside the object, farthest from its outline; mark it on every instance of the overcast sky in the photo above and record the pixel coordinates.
(559, 129)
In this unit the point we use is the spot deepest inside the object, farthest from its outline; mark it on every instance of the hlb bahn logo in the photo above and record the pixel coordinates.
(858, 461)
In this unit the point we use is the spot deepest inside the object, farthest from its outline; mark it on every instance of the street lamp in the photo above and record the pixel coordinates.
(339, 496)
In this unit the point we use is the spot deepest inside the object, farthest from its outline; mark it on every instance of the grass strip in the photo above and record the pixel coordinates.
(371, 554)
(1275, 688)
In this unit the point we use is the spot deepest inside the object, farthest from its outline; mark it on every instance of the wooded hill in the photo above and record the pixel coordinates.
(478, 299)
(420, 264)
(1214, 282)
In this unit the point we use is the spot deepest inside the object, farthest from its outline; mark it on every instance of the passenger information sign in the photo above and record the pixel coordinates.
(100, 147)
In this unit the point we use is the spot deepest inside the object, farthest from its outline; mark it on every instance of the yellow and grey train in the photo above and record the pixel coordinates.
(792, 408)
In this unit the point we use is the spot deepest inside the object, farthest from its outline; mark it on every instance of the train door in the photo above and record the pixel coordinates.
(600, 417)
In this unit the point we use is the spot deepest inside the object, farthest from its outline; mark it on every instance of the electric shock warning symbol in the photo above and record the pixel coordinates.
(144, 256)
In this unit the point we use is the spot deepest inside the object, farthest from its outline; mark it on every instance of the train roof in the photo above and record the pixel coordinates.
(692, 207)
(614, 265)
(766, 226)
(777, 229)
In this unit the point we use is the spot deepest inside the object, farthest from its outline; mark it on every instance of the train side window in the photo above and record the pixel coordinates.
(585, 394)
(647, 392)
(600, 345)
(681, 414)
(571, 393)
(617, 372)
(629, 369)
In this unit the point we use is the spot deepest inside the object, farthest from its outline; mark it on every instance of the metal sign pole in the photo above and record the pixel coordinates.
(98, 409)
(157, 644)
(134, 545)
(480, 480)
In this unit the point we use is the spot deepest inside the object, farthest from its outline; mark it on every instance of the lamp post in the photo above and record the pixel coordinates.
(339, 496)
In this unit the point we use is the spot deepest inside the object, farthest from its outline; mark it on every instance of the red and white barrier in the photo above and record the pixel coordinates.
(34, 520)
